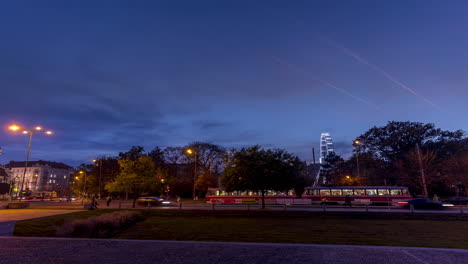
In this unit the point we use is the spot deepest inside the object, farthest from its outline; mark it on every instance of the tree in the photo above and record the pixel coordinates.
(256, 169)
(455, 173)
(173, 155)
(133, 154)
(392, 150)
(394, 140)
(136, 176)
(206, 180)
(408, 169)
(158, 157)
(4, 188)
(331, 170)
(209, 156)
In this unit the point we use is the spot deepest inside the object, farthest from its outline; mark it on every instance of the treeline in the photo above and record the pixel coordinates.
(419, 156)
(189, 171)
(170, 171)
(424, 158)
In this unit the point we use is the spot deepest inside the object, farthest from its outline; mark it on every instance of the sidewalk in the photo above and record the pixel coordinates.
(116, 251)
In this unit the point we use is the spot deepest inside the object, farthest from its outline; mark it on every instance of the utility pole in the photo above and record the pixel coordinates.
(421, 169)
(356, 144)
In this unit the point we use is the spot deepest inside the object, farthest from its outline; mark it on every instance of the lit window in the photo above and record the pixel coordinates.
(395, 192)
(336, 191)
(359, 192)
(347, 192)
(325, 192)
(371, 192)
(383, 192)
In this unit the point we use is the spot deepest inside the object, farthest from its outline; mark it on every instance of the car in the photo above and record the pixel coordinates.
(152, 201)
(421, 203)
(457, 200)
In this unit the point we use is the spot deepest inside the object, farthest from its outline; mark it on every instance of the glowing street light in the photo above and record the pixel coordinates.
(193, 152)
(31, 132)
(347, 177)
(14, 128)
(356, 144)
(99, 163)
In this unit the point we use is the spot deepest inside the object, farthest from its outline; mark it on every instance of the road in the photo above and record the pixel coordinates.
(70, 251)
(190, 205)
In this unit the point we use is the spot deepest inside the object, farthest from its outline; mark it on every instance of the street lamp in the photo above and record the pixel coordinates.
(356, 144)
(31, 132)
(83, 174)
(192, 152)
(100, 173)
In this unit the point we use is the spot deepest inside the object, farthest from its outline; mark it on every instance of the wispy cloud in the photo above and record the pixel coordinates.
(388, 76)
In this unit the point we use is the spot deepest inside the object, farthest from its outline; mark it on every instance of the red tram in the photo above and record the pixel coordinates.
(219, 196)
(370, 195)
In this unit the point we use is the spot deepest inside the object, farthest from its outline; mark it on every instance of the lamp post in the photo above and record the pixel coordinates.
(356, 144)
(31, 132)
(192, 152)
(83, 174)
(100, 173)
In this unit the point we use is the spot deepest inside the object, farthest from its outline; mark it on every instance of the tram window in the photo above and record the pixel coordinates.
(404, 191)
(336, 191)
(383, 191)
(325, 192)
(359, 192)
(371, 192)
(395, 192)
(347, 192)
(290, 192)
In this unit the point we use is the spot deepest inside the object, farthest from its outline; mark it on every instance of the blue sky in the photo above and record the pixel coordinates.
(106, 75)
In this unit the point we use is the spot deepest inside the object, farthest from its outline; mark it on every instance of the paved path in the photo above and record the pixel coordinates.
(8, 217)
(70, 251)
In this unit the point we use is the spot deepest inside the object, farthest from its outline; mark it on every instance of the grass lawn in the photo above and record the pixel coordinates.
(289, 227)
(45, 226)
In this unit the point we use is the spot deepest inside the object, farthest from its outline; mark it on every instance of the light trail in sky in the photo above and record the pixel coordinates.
(388, 76)
(298, 69)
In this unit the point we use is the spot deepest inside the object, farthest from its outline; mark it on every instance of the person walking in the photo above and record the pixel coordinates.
(108, 200)
(93, 204)
(347, 200)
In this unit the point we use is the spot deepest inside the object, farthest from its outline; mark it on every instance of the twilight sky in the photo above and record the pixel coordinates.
(106, 75)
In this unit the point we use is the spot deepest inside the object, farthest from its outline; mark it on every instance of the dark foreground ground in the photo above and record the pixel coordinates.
(70, 251)
(378, 229)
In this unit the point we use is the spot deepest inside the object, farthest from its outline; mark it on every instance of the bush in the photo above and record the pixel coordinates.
(102, 226)
(18, 205)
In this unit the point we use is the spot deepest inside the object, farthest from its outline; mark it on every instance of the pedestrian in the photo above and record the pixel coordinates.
(436, 198)
(93, 204)
(178, 198)
(108, 200)
(347, 200)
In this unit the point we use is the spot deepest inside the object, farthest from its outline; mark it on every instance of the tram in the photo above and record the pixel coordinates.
(367, 195)
(219, 196)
